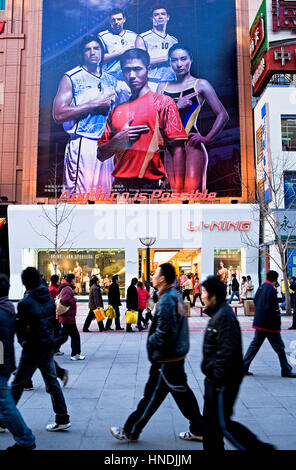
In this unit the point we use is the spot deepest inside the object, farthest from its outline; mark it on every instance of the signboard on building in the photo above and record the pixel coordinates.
(86, 100)
(272, 41)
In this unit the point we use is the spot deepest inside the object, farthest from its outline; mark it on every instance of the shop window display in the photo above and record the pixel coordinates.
(228, 261)
(84, 264)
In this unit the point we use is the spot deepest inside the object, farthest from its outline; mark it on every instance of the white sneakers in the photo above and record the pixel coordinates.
(119, 434)
(188, 436)
(57, 427)
(78, 357)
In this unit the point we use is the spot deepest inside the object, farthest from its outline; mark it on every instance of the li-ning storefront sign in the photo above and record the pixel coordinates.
(241, 226)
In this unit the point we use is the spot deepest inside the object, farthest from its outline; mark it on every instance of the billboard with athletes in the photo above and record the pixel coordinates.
(139, 99)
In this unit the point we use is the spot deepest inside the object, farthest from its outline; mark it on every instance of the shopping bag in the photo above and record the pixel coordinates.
(131, 317)
(60, 308)
(188, 307)
(110, 312)
(99, 314)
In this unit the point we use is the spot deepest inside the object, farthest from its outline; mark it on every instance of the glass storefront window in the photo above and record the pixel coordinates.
(228, 261)
(188, 260)
(84, 263)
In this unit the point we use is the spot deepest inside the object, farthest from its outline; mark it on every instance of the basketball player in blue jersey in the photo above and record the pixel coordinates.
(190, 93)
(85, 96)
(157, 42)
(116, 40)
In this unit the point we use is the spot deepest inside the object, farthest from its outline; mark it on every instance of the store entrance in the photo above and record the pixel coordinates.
(186, 260)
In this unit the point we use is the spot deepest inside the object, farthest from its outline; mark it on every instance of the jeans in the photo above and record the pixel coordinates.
(276, 343)
(218, 407)
(166, 377)
(234, 293)
(72, 331)
(42, 360)
(11, 417)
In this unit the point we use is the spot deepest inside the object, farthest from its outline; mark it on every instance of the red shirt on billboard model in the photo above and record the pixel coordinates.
(142, 159)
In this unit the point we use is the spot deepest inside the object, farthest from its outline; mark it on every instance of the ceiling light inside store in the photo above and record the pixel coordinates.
(163, 256)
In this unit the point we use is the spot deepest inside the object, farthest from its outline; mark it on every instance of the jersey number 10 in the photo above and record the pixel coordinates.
(165, 45)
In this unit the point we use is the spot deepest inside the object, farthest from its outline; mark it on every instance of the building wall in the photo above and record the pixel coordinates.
(20, 55)
(121, 226)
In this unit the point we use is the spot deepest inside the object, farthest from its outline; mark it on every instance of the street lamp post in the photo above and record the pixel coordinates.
(147, 241)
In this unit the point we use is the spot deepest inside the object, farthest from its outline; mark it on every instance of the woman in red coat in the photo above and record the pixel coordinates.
(68, 319)
(143, 295)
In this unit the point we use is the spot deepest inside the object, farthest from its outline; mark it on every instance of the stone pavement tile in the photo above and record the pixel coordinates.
(289, 403)
(279, 420)
(283, 442)
(37, 401)
(79, 407)
(97, 443)
(109, 401)
(264, 400)
(63, 440)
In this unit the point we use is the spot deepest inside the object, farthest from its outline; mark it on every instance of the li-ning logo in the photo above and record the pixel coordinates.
(1, 353)
(222, 226)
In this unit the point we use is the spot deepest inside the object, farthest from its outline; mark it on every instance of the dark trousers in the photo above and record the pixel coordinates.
(117, 319)
(276, 343)
(218, 408)
(148, 316)
(60, 374)
(186, 295)
(90, 317)
(140, 318)
(164, 378)
(194, 299)
(72, 331)
(42, 360)
(57, 332)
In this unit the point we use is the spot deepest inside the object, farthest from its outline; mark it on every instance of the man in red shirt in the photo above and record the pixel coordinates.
(156, 123)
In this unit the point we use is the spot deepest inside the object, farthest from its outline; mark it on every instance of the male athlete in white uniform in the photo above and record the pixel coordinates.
(157, 43)
(84, 98)
(116, 40)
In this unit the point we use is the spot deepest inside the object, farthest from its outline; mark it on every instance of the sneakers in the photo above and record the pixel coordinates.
(65, 378)
(16, 448)
(28, 389)
(59, 353)
(78, 357)
(292, 328)
(57, 427)
(119, 434)
(188, 436)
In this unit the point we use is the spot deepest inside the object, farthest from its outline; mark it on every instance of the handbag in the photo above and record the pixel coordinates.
(131, 317)
(99, 314)
(60, 308)
(110, 312)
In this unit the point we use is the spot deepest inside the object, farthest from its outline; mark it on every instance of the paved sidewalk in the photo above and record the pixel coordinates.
(107, 386)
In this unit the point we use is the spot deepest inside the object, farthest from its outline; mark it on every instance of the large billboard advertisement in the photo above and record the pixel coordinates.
(139, 99)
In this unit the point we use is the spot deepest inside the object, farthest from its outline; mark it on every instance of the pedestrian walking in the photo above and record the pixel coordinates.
(150, 303)
(249, 288)
(34, 328)
(197, 289)
(54, 290)
(143, 297)
(114, 300)
(68, 319)
(267, 324)
(293, 302)
(95, 301)
(167, 345)
(243, 293)
(222, 364)
(132, 303)
(9, 414)
(234, 289)
(186, 288)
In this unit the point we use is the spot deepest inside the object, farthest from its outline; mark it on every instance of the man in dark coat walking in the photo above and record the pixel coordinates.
(34, 328)
(167, 345)
(95, 301)
(114, 300)
(132, 302)
(222, 365)
(9, 414)
(267, 323)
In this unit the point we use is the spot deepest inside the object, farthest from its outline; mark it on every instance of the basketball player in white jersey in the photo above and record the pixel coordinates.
(157, 42)
(116, 40)
(85, 96)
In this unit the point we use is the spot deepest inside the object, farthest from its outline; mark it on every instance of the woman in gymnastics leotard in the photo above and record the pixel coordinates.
(190, 93)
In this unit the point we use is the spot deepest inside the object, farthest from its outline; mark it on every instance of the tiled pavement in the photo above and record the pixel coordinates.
(105, 388)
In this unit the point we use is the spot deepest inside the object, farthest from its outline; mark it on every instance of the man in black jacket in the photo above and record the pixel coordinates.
(222, 365)
(132, 302)
(114, 300)
(35, 333)
(267, 323)
(9, 414)
(167, 345)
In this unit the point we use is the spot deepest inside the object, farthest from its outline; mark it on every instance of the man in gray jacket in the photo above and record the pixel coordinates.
(167, 345)
(9, 414)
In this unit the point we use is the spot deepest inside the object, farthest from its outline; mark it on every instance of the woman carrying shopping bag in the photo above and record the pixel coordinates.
(95, 301)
